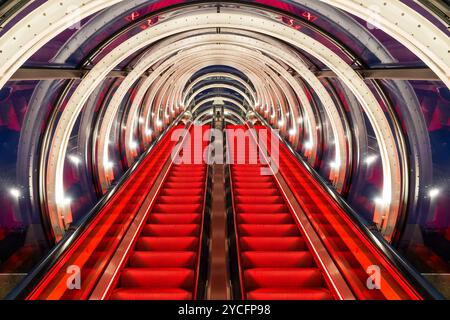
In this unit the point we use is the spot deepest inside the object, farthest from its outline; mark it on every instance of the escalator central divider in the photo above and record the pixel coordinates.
(109, 277)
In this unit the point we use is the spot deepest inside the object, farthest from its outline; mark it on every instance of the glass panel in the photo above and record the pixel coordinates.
(22, 238)
(426, 240)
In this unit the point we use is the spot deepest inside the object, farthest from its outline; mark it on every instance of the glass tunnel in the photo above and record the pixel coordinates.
(233, 150)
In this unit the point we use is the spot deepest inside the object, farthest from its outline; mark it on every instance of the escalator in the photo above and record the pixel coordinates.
(164, 262)
(145, 240)
(292, 240)
(288, 236)
(274, 256)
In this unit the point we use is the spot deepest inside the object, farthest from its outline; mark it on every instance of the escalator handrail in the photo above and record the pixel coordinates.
(35, 276)
(423, 287)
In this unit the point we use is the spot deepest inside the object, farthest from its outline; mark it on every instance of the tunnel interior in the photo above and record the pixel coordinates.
(359, 94)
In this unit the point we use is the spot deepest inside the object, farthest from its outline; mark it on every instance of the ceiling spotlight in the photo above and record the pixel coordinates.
(292, 132)
(370, 159)
(159, 123)
(141, 120)
(300, 120)
(280, 123)
(148, 131)
(15, 193)
(434, 192)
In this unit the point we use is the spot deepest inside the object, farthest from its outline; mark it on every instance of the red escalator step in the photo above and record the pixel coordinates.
(268, 230)
(272, 243)
(283, 277)
(257, 208)
(179, 200)
(167, 243)
(254, 218)
(250, 198)
(289, 294)
(277, 259)
(178, 208)
(156, 259)
(150, 294)
(171, 230)
(174, 218)
(151, 278)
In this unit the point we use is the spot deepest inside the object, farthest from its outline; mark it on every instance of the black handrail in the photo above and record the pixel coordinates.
(423, 287)
(43, 267)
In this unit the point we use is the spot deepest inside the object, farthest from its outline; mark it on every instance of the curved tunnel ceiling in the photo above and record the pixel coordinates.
(250, 57)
